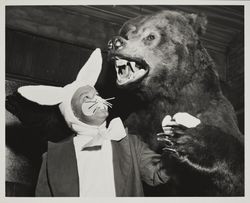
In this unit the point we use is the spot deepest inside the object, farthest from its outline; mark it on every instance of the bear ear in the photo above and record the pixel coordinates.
(198, 22)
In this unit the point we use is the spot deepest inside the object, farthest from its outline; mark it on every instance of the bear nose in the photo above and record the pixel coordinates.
(110, 45)
(115, 43)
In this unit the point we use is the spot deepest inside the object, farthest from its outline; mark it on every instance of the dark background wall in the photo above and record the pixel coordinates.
(48, 45)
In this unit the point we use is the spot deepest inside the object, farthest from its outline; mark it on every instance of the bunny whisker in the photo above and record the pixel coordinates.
(107, 103)
(111, 98)
(109, 106)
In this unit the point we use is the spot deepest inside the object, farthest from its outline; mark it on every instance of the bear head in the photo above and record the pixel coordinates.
(161, 47)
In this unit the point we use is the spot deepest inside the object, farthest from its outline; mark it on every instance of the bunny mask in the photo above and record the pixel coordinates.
(87, 76)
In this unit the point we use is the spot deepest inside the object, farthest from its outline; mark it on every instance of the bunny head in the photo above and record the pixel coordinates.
(78, 101)
(88, 107)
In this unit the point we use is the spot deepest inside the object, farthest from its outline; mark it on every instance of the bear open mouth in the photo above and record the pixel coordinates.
(129, 71)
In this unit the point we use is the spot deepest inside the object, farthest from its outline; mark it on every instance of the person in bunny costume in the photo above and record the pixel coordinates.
(98, 160)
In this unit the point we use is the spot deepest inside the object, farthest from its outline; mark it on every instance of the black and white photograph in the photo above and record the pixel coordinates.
(125, 100)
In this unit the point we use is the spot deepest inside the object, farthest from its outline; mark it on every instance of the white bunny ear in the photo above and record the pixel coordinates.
(43, 95)
(91, 69)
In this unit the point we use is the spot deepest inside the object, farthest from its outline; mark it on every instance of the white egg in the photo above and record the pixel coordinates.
(186, 119)
(166, 120)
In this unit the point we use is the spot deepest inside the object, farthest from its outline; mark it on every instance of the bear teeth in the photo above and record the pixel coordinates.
(128, 70)
(121, 62)
(132, 65)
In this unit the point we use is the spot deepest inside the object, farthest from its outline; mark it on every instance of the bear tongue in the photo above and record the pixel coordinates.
(139, 73)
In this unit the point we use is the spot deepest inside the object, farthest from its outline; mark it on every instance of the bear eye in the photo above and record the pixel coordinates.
(150, 37)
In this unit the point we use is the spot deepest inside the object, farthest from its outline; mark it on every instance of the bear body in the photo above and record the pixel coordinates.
(160, 59)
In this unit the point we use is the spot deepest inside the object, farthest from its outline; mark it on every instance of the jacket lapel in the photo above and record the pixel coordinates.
(122, 165)
(62, 169)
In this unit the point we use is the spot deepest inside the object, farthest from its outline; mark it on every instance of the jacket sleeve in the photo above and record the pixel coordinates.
(150, 163)
(42, 187)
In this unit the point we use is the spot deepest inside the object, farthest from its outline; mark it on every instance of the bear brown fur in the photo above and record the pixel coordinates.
(180, 76)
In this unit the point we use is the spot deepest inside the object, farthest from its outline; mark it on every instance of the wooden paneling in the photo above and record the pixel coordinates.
(60, 24)
(235, 71)
(94, 25)
(44, 60)
(224, 22)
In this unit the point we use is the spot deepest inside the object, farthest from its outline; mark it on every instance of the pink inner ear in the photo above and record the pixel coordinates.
(89, 73)
(43, 95)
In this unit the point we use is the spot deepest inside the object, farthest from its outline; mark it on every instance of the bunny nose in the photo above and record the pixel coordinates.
(90, 95)
(116, 43)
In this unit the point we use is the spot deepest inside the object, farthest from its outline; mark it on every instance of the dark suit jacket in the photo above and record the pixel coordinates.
(133, 162)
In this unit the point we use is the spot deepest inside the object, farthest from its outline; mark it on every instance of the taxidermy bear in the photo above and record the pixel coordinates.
(160, 60)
